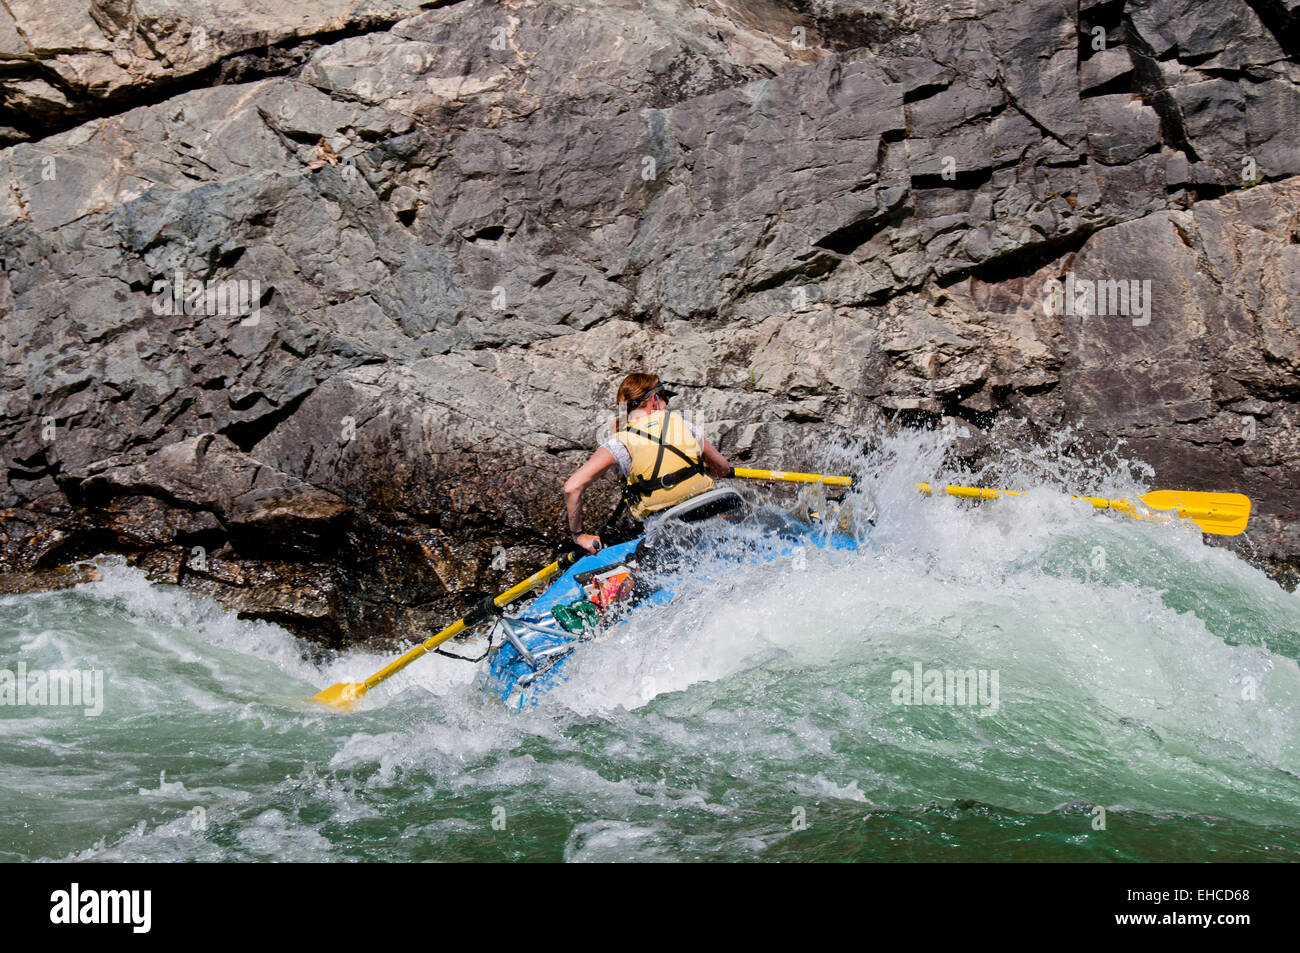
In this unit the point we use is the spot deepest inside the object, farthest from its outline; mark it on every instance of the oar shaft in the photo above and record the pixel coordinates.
(1193, 513)
(969, 492)
(1100, 502)
(461, 624)
(743, 473)
(1120, 506)
(1222, 514)
(395, 666)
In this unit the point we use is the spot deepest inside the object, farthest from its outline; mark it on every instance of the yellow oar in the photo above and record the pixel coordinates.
(1222, 514)
(781, 475)
(344, 696)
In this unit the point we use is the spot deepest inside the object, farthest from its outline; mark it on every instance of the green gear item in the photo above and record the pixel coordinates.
(577, 616)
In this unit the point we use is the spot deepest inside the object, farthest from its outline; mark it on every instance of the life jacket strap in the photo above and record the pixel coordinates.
(635, 491)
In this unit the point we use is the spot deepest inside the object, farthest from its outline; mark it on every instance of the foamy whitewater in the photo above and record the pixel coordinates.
(1140, 700)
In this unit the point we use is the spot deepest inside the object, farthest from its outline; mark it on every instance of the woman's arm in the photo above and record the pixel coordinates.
(717, 463)
(574, 487)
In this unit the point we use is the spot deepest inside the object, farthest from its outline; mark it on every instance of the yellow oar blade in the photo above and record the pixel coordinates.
(1222, 514)
(342, 696)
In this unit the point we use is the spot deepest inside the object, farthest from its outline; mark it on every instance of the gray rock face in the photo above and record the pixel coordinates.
(322, 336)
(67, 60)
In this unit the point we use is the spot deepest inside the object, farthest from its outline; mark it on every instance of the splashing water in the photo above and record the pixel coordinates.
(1134, 694)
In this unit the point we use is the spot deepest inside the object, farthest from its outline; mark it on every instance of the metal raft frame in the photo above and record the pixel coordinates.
(540, 662)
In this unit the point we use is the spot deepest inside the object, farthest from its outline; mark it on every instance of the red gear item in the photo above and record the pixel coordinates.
(611, 590)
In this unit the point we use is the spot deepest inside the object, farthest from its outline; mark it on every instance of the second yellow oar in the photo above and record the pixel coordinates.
(783, 476)
(1221, 514)
(344, 696)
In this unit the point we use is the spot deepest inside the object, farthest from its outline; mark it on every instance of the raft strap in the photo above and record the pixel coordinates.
(480, 613)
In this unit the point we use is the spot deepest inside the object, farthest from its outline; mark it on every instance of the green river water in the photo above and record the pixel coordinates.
(1147, 708)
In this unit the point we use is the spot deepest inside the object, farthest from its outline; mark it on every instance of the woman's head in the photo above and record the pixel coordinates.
(639, 392)
(634, 389)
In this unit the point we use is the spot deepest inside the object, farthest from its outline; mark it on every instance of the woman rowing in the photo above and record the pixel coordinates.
(663, 460)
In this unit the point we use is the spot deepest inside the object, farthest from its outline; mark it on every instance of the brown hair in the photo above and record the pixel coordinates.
(634, 387)
(630, 393)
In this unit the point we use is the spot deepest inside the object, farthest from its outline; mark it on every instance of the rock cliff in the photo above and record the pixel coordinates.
(312, 306)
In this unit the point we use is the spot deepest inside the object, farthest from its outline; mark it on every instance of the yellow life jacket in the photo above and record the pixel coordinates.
(667, 463)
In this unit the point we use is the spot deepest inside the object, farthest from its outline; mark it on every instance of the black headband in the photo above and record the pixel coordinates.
(657, 389)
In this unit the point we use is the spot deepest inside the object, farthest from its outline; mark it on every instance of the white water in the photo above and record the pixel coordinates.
(1139, 670)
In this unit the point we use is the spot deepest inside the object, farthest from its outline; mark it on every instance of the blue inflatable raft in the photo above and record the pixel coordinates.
(530, 649)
